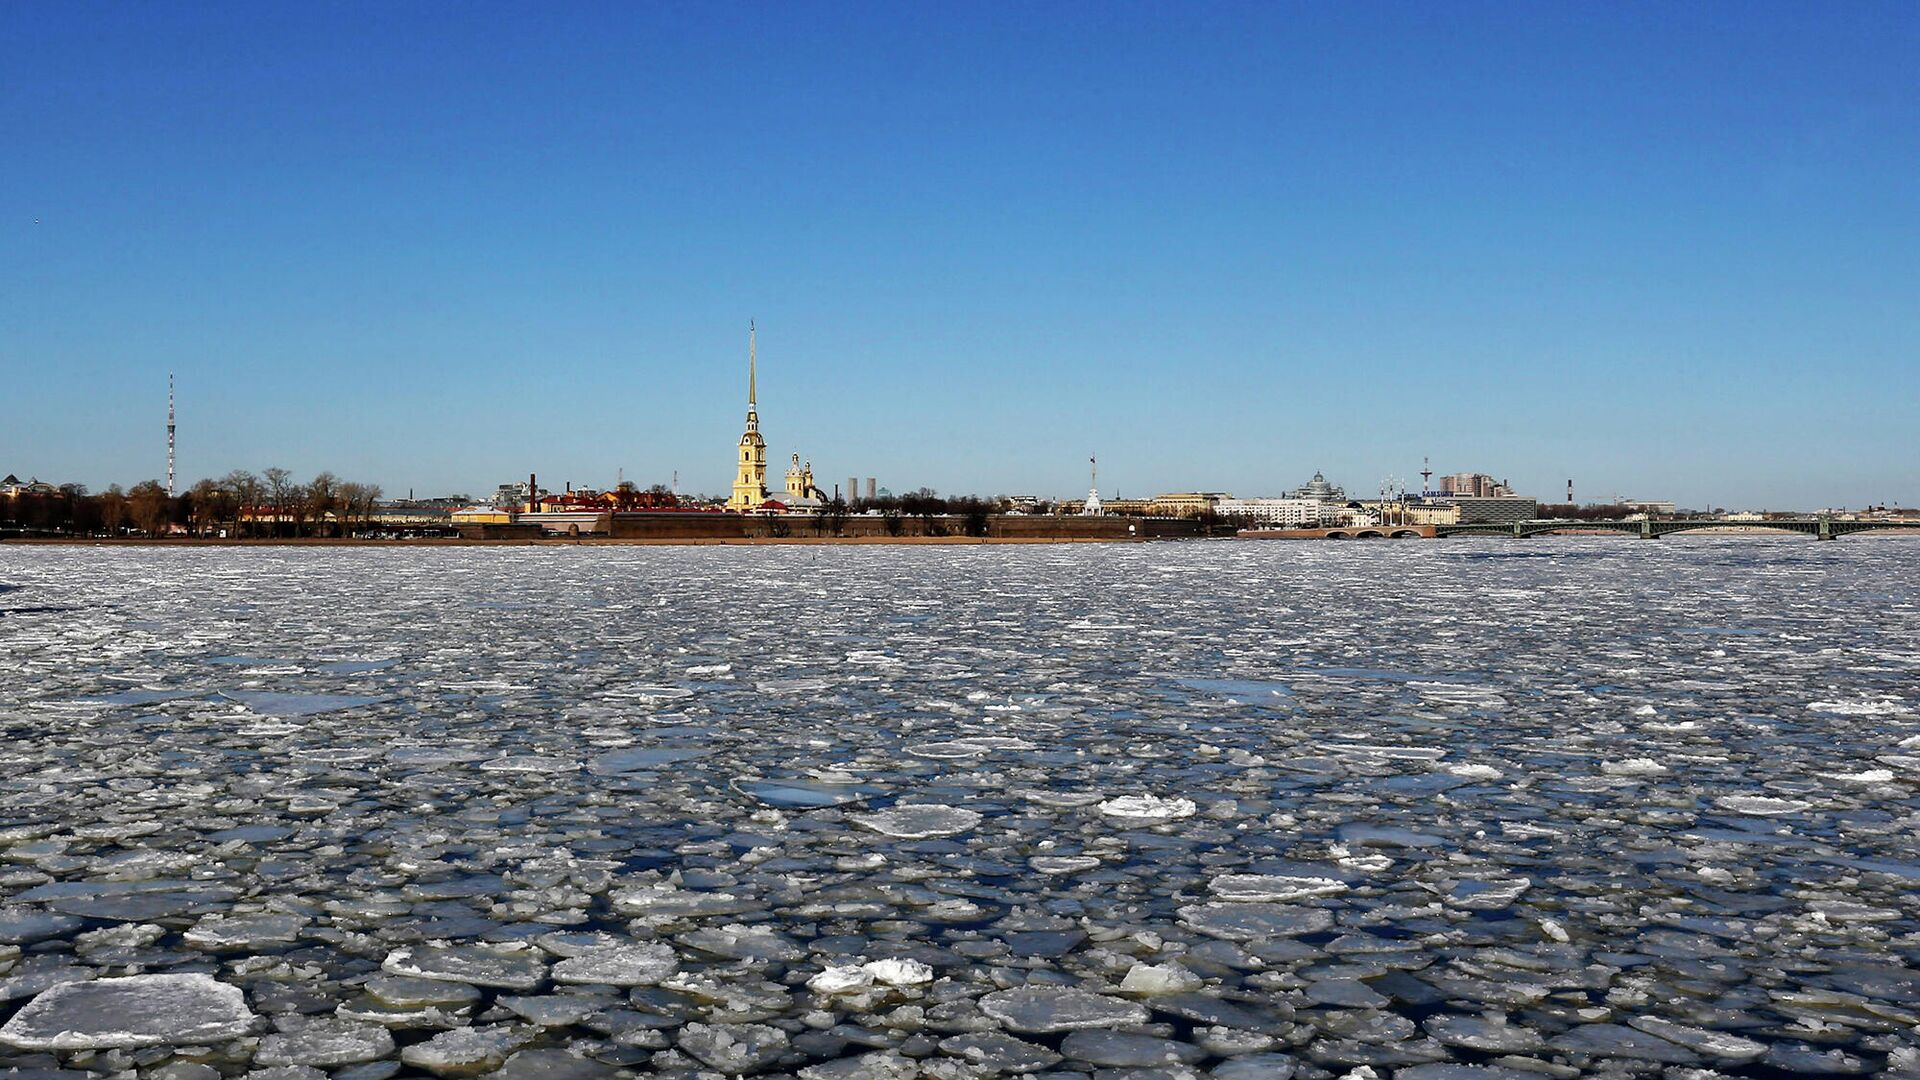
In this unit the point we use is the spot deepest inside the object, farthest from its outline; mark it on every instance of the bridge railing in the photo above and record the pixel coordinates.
(1823, 528)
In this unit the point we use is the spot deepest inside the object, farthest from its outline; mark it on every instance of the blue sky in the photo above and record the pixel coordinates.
(1667, 250)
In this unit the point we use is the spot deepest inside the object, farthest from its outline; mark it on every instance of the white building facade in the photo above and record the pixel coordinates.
(1280, 513)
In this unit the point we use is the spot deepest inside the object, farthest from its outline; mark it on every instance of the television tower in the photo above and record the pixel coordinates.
(169, 434)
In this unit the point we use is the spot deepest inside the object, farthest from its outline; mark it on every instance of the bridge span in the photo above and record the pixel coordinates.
(1820, 528)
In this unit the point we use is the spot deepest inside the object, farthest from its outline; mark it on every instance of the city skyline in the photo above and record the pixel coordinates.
(1657, 253)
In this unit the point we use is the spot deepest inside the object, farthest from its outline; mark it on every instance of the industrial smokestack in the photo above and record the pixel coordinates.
(873, 489)
(853, 488)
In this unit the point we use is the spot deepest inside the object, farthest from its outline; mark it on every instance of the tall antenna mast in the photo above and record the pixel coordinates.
(169, 434)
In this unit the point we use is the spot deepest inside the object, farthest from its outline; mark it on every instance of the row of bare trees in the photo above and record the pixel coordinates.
(239, 504)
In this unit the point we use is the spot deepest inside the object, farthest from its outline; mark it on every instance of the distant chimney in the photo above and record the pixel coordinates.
(873, 489)
(853, 488)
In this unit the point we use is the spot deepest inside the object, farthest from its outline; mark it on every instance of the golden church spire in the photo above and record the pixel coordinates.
(750, 477)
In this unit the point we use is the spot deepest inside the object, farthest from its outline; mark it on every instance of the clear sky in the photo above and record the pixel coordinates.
(1665, 250)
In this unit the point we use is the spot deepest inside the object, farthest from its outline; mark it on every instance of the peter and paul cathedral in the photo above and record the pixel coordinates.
(750, 483)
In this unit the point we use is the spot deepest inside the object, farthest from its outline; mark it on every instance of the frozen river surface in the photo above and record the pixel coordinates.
(1235, 809)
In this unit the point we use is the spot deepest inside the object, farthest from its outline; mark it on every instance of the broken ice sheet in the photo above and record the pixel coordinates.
(837, 813)
(278, 703)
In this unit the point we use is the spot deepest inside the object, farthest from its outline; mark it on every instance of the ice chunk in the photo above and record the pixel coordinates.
(898, 972)
(619, 965)
(1159, 979)
(245, 933)
(325, 1042)
(274, 703)
(408, 992)
(920, 821)
(529, 763)
(1614, 1040)
(997, 1052)
(801, 794)
(1063, 864)
(467, 1051)
(1045, 1009)
(1274, 887)
(1126, 1050)
(1347, 993)
(645, 757)
(477, 965)
(879, 1065)
(1488, 1034)
(1865, 776)
(22, 925)
(1721, 1045)
(1491, 894)
(1638, 766)
(1862, 707)
(1248, 922)
(1759, 805)
(734, 1048)
(137, 1010)
(850, 978)
(551, 1063)
(1147, 809)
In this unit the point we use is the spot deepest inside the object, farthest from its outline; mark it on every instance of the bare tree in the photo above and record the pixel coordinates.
(113, 509)
(322, 497)
(282, 495)
(355, 504)
(243, 492)
(148, 503)
(205, 500)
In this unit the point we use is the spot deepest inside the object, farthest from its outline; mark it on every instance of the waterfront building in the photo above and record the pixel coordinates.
(1320, 490)
(800, 488)
(13, 487)
(1495, 509)
(1431, 513)
(750, 480)
(1474, 485)
(1187, 503)
(515, 494)
(1287, 513)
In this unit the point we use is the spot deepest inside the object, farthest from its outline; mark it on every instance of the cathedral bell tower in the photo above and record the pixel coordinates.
(750, 482)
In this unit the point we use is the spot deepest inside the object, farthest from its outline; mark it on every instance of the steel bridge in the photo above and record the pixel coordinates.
(1820, 528)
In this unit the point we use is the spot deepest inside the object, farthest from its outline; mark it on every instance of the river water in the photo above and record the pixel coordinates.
(1234, 809)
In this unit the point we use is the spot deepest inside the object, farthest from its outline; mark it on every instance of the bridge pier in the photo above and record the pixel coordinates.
(1646, 531)
(1825, 531)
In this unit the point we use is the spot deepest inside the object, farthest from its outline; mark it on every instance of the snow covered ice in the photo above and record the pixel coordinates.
(1471, 808)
